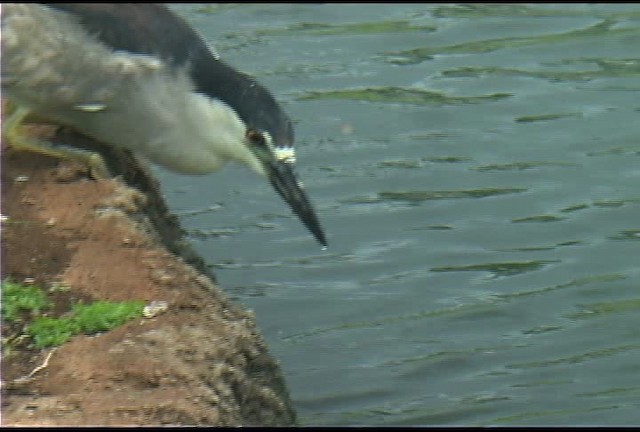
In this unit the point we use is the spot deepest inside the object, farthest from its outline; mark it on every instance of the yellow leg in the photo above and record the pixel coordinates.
(18, 138)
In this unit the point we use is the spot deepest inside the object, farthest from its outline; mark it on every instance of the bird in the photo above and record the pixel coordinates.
(139, 77)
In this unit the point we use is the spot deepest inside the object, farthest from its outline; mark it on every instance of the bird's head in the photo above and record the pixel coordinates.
(268, 135)
(278, 163)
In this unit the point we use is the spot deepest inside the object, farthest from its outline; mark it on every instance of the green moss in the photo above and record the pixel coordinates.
(18, 298)
(521, 166)
(545, 117)
(500, 268)
(413, 96)
(598, 68)
(317, 29)
(88, 319)
(415, 197)
(627, 235)
(103, 315)
(606, 28)
(602, 309)
(47, 331)
(575, 207)
(418, 196)
(538, 218)
(499, 10)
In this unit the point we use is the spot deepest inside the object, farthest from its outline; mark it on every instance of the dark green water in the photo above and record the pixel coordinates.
(477, 169)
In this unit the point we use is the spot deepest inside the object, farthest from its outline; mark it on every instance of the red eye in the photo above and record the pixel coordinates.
(256, 138)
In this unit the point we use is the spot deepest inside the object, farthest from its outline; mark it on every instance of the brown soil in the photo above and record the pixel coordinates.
(202, 362)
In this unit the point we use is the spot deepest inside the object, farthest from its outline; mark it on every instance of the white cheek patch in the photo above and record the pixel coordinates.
(285, 154)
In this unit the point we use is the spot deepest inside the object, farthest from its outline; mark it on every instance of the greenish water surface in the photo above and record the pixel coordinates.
(477, 170)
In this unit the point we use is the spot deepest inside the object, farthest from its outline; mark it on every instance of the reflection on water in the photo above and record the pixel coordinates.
(477, 170)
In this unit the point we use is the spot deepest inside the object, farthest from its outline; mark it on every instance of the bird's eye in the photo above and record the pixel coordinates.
(256, 138)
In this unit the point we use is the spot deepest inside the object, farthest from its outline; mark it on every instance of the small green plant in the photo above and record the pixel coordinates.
(88, 319)
(104, 315)
(17, 298)
(48, 331)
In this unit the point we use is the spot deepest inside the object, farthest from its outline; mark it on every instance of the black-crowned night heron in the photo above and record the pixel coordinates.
(138, 76)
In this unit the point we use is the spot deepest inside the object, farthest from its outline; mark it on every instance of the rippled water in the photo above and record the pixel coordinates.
(477, 170)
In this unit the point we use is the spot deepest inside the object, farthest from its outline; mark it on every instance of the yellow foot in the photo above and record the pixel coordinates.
(18, 138)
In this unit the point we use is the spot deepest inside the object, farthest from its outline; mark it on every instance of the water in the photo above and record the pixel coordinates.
(477, 170)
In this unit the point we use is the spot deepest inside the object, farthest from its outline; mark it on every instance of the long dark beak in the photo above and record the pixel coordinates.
(285, 182)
